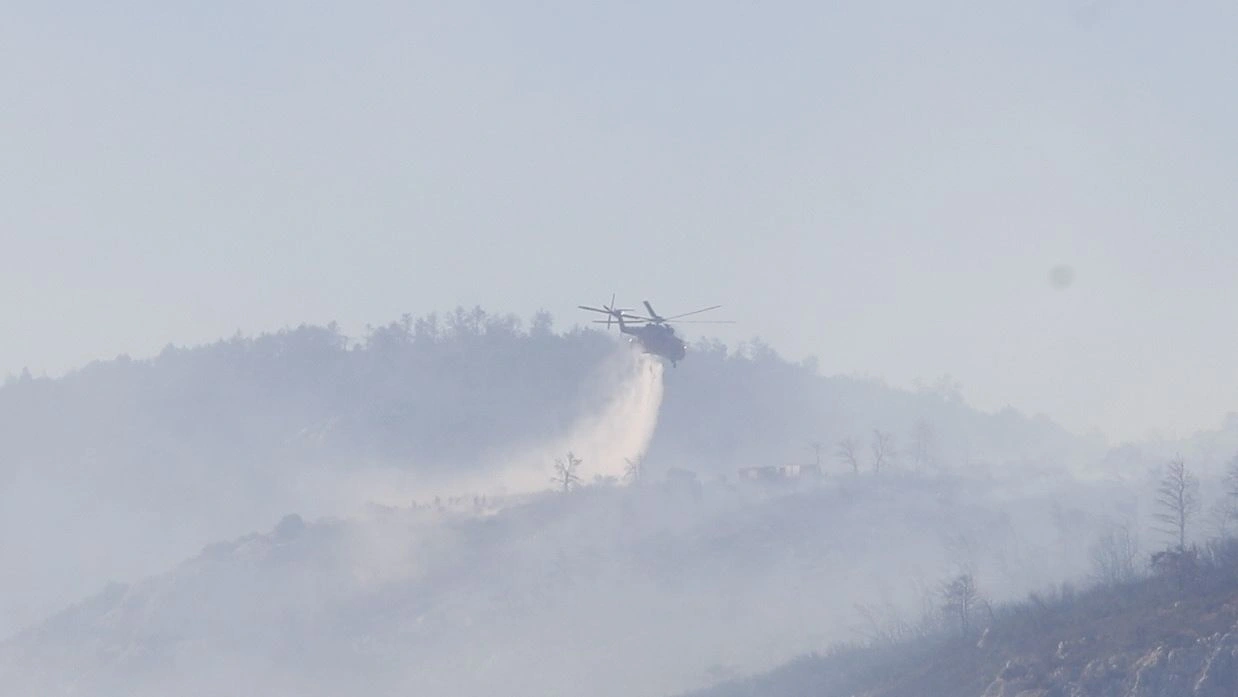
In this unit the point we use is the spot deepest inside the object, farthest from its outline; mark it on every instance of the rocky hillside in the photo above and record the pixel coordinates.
(1167, 635)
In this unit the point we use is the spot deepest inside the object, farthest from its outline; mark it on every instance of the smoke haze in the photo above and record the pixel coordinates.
(883, 185)
(296, 396)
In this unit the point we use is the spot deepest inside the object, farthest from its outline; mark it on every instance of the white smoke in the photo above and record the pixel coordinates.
(606, 440)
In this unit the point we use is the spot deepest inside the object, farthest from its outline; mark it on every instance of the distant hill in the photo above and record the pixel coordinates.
(430, 393)
(439, 392)
(124, 465)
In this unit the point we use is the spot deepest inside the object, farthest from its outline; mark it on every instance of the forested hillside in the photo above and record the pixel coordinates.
(199, 443)
(440, 391)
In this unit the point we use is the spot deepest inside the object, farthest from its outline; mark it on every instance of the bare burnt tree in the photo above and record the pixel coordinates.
(565, 472)
(848, 454)
(961, 600)
(635, 469)
(883, 449)
(1177, 497)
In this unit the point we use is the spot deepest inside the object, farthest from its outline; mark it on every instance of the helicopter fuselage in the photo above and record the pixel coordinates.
(657, 339)
(652, 331)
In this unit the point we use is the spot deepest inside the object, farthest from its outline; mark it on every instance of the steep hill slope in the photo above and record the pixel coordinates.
(1149, 638)
(611, 591)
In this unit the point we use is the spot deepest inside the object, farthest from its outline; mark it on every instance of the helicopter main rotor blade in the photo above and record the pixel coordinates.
(694, 312)
(701, 321)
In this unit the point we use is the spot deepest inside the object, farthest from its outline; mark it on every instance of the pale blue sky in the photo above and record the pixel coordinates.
(885, 185)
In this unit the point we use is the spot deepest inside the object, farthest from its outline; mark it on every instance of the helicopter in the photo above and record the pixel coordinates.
(652, 330)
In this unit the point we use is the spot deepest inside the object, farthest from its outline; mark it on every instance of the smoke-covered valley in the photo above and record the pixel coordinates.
(305, 513)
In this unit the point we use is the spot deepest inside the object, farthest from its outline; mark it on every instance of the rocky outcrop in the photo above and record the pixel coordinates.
(1017, 679)
(1206, 668)
(1167, 672)
(1220, 674)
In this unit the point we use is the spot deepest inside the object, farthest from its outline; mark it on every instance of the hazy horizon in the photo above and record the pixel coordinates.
(357, 332)
(887, 187)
